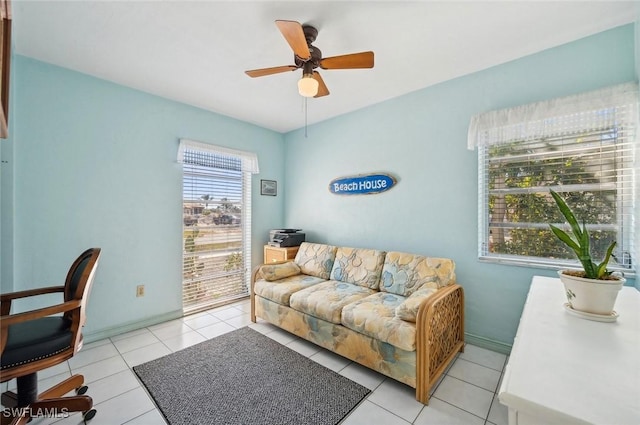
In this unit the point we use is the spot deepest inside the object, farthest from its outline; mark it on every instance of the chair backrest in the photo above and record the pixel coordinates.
(78, 287)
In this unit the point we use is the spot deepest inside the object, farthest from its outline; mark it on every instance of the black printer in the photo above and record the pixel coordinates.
(285, 237)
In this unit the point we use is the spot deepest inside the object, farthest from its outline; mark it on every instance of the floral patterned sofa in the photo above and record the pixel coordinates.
(399, 314)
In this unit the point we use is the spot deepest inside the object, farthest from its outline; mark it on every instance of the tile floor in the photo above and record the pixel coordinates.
(466, 395)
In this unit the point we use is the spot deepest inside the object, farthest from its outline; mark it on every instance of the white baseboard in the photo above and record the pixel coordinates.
(131, 326)
(487, 343)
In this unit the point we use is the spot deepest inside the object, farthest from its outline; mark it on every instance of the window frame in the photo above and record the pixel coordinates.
(484, 224)
(206, 164)
(533, 124)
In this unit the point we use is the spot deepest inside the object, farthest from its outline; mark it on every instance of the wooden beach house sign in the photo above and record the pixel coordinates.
(363, 184)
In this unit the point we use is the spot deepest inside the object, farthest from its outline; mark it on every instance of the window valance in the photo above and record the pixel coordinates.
(594, 110)
(249, 159)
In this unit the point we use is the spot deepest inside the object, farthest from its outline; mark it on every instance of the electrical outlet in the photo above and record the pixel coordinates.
(140, 291)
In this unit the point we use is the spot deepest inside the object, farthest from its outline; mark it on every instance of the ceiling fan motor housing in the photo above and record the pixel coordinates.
(310, 34)
(316, 57)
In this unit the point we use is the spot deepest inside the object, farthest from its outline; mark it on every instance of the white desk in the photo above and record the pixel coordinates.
(567, 370)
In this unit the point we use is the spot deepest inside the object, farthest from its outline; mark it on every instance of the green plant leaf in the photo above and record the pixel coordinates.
(568, 214)
(582, 243)
(564, 237)
(602, 267)
(585, 254)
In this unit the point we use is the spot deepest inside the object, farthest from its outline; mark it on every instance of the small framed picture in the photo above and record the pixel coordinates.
(268, 187)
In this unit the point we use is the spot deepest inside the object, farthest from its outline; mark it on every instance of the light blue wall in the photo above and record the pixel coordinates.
(95, 165)
(422, 139)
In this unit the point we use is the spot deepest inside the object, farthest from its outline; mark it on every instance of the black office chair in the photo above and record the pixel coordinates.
(35, 340)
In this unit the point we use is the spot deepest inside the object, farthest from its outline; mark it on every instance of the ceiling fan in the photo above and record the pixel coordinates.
(308, 57)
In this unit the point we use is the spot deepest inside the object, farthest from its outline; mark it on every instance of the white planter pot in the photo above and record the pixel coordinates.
(591, 295)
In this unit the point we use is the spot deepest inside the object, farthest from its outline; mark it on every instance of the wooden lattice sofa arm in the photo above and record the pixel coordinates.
(439, 337)
(252, 297)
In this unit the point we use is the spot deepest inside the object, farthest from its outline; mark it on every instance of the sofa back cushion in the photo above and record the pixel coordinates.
(403, 274)
(358, 266)
(316, 259)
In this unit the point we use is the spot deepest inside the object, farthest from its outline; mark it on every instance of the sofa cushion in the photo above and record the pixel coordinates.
(316, 259)
(375, 316)
(279, 291)
(326, 300)
(403, 274)
(408, 310)
(358, 266)
(273, 272)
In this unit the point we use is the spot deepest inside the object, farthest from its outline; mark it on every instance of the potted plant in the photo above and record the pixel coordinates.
(592, 290)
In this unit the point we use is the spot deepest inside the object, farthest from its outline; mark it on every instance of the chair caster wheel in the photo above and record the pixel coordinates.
(89, 414)
(81, 390)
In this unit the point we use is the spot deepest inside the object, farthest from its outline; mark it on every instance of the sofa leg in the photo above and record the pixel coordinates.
(253, 309)
(252, 294)
(423, 396)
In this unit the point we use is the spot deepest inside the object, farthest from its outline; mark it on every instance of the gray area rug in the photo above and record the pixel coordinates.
(244, 377)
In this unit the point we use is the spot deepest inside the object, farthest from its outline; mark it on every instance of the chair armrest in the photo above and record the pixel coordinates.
(12, 319)
(30, 293)
(5, 299)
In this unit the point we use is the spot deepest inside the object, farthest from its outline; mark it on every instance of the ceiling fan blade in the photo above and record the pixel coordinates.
(352, 61)
(293, 33)
(322, 87)
(269, 71)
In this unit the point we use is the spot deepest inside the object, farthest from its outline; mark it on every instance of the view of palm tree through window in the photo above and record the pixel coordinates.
(213, 264)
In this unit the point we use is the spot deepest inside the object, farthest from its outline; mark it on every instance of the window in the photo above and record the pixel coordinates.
(580, 146)
(216, 205)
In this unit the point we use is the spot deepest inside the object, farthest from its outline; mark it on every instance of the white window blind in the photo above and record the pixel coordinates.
(216, 223)
(580, 146)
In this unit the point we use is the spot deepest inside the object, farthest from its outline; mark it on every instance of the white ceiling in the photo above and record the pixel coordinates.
(197, 52)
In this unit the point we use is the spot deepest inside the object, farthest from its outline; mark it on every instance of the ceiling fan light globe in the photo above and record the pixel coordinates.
(307, 86)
